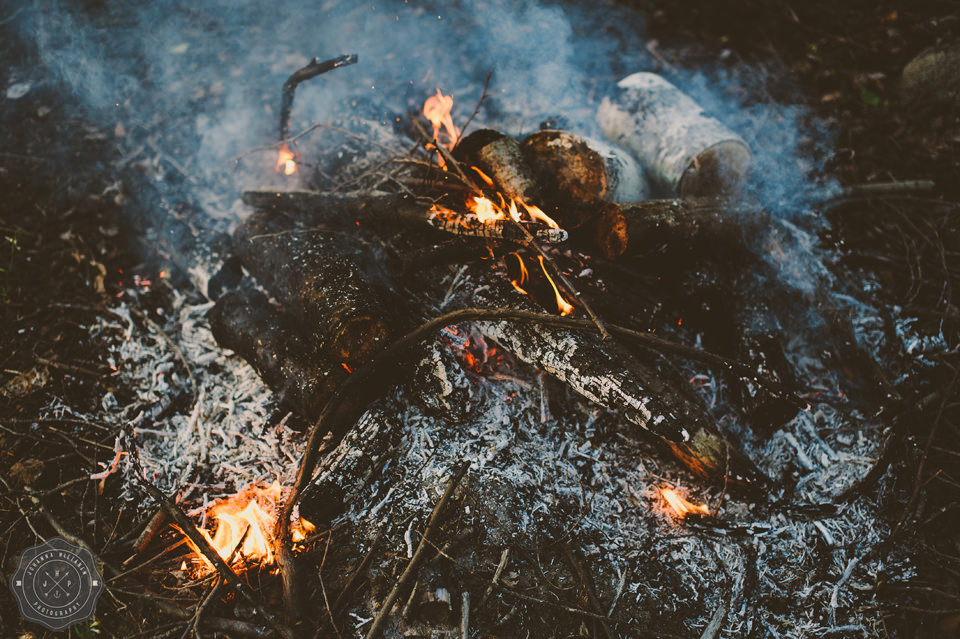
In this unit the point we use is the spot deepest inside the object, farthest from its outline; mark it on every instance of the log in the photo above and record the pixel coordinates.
(309, 275)
(574, 171)
(500, 158)
(244, 321)
(604, 373)
(690, 224)
(684, 151)
(386, 213)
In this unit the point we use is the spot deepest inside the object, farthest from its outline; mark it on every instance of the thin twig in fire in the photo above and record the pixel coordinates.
(483, 96)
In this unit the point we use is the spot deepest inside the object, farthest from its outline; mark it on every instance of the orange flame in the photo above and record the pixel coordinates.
(681, 506)
(522, 277)
(564, 307)
(437, 109)
(487, 210)
(285, 161)
(249, 516)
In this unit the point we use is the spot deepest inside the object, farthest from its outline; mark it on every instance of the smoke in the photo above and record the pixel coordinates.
(202, 79)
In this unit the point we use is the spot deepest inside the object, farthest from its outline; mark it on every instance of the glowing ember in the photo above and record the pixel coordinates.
(681, 506)
(437, 109)
(285, 161)
(563, 306)
(249, 517)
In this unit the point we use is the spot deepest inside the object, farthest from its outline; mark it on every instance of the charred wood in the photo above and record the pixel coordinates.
(603, 373)
(308, 274)
(312, 70)
(386, 212)
(245, 321)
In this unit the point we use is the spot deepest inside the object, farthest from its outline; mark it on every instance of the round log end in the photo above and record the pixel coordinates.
(565, 163)
(721, 169)
(610, 234)
(932, 76)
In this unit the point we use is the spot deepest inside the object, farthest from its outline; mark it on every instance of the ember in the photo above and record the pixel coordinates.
(681, 507)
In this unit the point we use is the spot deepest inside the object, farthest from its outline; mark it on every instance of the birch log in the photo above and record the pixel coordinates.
(684, 151)
(500, 158)
(570, 168)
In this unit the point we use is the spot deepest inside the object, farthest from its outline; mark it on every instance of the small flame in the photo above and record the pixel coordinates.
(249, 516)
(564, 307)
(285, 161)
(523, 276)
(681, 506)
(437, 109)
(537, 215)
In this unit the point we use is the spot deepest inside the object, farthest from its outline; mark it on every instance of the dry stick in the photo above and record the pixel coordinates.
(436, 517)
(483, 96)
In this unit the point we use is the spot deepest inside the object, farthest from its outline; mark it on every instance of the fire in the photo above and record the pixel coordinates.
(681, 507)
(487, 210)
(285, 161)
(565, 307)
(437, 109)
(522, 277)
(249, 516)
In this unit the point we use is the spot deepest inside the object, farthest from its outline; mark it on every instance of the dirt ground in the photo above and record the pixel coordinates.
(65, 257)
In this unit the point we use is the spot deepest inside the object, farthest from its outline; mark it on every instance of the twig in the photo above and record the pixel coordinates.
(465, 615)
(483, 96)
(189, 529)
(716, 623)
(312, 70)
(592, 599)
(436, 518)
(504, 556)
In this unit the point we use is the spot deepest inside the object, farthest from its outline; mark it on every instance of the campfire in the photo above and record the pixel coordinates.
(565, 347)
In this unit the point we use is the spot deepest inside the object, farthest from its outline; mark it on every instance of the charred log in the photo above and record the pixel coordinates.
(307, 272)
(245, 321)
(385, 213)
(603, 373)
(684, 151)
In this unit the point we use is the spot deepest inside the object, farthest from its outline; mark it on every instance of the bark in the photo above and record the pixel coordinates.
(693, 223)
(501, 159)
(576, 170)
(933, 77)
(684, 151)
(310, 276)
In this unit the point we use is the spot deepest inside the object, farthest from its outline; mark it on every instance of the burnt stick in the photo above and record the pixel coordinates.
(312, 70)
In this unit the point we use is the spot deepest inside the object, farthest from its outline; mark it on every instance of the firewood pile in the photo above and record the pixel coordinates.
(470, 370)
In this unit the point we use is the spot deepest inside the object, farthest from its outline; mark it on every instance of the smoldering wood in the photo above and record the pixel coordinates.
(309, 275)
(577, 170)
(684, 151)
(605, 374)
(384, 212)
(244, 321)
(500, 158)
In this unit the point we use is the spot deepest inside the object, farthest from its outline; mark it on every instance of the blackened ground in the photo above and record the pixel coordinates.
(62, 259)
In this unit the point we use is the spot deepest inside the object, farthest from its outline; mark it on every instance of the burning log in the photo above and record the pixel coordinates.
(603, 373)
(386, 212)
(307, 273)
(245, 321)
(501, 160)
(682, 149)
(578, 171)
